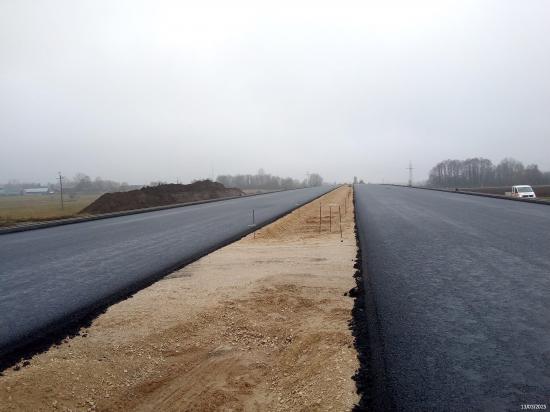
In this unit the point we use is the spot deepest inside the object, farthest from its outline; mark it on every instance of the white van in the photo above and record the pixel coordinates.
(522, 191)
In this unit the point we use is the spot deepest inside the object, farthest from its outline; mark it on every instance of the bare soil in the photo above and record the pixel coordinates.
(161, 195)
(261, 324)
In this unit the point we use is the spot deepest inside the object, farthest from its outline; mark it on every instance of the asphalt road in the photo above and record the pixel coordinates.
(53, 275)
(458, 289)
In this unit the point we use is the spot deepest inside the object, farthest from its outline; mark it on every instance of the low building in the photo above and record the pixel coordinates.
(37, 191)
(11, 191)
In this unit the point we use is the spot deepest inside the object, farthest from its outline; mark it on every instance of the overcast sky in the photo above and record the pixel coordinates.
(146, 90)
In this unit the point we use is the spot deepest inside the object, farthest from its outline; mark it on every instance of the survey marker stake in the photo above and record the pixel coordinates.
(340, 216)
(253, 222)
(319, 217)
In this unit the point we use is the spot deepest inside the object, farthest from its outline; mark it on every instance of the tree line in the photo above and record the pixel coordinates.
(266, 181)
(82, 183)
(481, 172)
(79, 184)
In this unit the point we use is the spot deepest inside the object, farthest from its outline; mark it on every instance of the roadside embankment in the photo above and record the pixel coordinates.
(540, 190)
(261, 324)
(540, 201)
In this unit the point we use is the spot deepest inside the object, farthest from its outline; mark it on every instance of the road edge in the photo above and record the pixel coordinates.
(371, 377)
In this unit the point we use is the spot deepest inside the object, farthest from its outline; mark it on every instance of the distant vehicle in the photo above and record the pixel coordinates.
(522, 191)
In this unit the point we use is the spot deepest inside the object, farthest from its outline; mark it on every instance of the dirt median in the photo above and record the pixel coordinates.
(261, 324)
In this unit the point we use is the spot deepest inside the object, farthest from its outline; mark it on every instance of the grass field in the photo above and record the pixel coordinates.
(16, 209)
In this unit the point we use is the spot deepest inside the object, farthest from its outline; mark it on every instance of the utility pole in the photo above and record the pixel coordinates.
(61, 188)
(410, 168)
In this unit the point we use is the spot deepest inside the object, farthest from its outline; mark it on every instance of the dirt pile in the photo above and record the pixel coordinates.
(161, 195)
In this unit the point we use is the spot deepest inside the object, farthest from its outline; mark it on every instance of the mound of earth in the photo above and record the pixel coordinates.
(161, 195)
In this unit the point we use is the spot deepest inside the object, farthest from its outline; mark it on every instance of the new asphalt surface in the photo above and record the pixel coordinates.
(458, 295)
(52, 276)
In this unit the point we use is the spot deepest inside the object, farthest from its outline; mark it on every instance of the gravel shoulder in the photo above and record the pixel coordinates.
(261, 324)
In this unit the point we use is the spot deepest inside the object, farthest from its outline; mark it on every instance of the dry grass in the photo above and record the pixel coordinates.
(17, 209)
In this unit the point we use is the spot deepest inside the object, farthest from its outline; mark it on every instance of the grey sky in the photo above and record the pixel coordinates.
(147, 90)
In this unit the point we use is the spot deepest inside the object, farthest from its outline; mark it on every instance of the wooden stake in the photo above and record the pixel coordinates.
(340, 216)
(320, 217)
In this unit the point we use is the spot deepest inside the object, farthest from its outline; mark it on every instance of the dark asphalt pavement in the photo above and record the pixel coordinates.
(459, 292)
(51, 275)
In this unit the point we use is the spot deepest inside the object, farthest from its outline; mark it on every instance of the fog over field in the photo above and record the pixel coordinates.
(162, 90)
